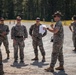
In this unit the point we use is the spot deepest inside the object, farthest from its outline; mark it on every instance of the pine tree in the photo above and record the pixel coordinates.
(1, 7)
(18, 7)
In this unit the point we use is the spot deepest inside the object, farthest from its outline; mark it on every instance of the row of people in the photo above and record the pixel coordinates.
(19, 34)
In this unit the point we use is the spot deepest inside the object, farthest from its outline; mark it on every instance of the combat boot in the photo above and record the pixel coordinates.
(50, 69)
(21, 61)
(60, 68)
(43, 60)
(74, 49)
(7, 55)
(36, 58)
(1, 70)
(15, 61)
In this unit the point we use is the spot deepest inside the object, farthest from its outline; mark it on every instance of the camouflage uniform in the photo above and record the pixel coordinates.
(74, 33)
(37, 39)
(57, 52)
(19, 33)
(4, 39)
(1, 65)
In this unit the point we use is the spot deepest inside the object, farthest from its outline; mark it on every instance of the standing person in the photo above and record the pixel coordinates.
(73, 31)
(4, 31)
(19, 34)
(58, 38)
(1, 64)
(37, 39)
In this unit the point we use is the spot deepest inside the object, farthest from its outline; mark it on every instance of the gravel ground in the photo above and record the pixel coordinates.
(37, 68)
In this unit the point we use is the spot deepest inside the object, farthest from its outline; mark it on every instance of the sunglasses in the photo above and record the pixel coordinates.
(37, 19)
(18, 20)
(1, 20)
(57, 16)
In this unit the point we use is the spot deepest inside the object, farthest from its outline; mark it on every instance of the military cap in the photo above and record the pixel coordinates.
(37, 18)
(74, 17)
(57, 13)
(18, 18)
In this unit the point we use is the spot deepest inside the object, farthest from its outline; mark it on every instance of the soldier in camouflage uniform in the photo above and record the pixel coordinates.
(73, 31)
(57, 52)
(1, 64)
(37, 39)
(19, 34)
(4, 30)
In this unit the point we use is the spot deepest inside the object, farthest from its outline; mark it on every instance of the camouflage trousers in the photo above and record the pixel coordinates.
(5, 43)
(18, 44)
(38, 42)
(74, 40)
(1, 65)
(57, 53)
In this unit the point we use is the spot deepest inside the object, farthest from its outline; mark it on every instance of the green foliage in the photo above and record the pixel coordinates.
(30, 9)
(1, 5)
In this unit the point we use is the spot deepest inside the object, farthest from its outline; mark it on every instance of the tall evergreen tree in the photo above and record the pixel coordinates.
(30, 9)
(1, 7)
(10, 9)
(18, 7)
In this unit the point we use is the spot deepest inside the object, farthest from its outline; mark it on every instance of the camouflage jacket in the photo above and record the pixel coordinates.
(19, 31)
(59, 36)
(74, 27)
(4, 28)
(34, 31)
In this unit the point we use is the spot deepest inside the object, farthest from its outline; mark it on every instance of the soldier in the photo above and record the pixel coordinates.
(37, 39)
(19, 34)
(73, 31)
(58, 37)
(1, 64)
(4, 30)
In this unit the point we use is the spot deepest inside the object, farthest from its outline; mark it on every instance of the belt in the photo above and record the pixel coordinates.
(19, 36)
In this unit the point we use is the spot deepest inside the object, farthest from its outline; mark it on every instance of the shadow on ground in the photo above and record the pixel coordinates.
(60, 73)
(39, 64)
(19, 65)
(5, 60)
